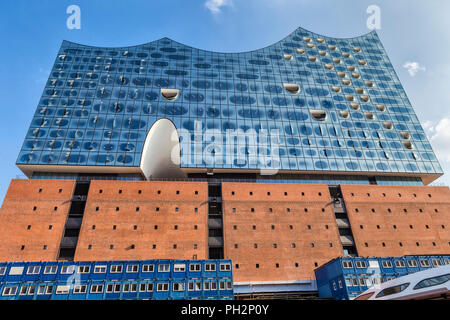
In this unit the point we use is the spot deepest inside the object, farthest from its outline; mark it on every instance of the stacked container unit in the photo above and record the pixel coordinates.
(346, 278)
(117, 280)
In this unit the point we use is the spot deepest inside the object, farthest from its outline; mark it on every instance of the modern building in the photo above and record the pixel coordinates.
(279, 159)
(117, 280)
(346, 278)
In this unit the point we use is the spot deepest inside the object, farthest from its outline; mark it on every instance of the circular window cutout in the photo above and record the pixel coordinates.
(405, 135)
(355, 106)
(292, 87)
(369, 115)
(344, 114)
(336, 89)
(318, 115)
(388, 125)
(408, 145)
(381, 107)
(170, 94)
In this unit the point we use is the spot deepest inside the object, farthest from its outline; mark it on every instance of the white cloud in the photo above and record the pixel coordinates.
(440, 138)
(215, 6)
(413, 68)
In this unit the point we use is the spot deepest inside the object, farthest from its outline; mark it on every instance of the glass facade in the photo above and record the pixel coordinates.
(334, 105)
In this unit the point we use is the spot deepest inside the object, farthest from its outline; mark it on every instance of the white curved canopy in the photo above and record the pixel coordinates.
(161, 152)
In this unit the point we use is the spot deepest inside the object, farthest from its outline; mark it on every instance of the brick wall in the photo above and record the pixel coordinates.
(399, 220)
(268, 214)
(151, 216)
(32, 219)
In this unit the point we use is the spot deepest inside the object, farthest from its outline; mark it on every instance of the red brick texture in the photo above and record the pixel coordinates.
(399, 220)
(177, 215)
(303, 239)
(32, 219)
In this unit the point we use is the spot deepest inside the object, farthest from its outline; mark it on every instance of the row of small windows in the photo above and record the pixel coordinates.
(405, 210)
(276, 265)
(383, 244)
(398, 194)
(157, 209)
(120, 191)
(234, 210)
(275, 246)
(208, 285)
(59, 191)
(398, 263)
(154, 246)
(135, 227)
(131, 268)
(268, 193)
(394, 226)
(291, 227)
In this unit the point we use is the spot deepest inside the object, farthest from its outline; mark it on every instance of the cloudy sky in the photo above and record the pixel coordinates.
(415, 33)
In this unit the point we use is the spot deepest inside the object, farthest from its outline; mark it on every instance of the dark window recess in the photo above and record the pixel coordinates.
(340, 212)
(69, 233)
(215, 231)
(72, 227)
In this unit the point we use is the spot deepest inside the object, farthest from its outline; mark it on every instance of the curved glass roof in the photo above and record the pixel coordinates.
(308, 103)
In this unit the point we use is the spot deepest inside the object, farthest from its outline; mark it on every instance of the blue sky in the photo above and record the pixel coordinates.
(415, 33)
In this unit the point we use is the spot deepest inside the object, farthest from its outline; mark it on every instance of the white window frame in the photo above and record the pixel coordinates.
(82, 269)
(436, 262)
(45, 290)
(399, 264)
(225, 267)
(115, 268)
(79, 288)
(50, 269)
(425, 263)
(181, 286)
(12, 291)
(412, 263)
(229, 285)
(347, 265)
(386, 264)
(24, 291)
(148, 268)
(132, 268)
(96, 288)
(34, 270)
(2, 271)
(100, 269)
(222, 285)
(210, 267)
(361, 264)
(163, 267)
(63, 289)
(194, 266)
(179, 267)
(67, 269)
(162, 287)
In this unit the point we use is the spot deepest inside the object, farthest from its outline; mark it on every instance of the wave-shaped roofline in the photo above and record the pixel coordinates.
(241, 52)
